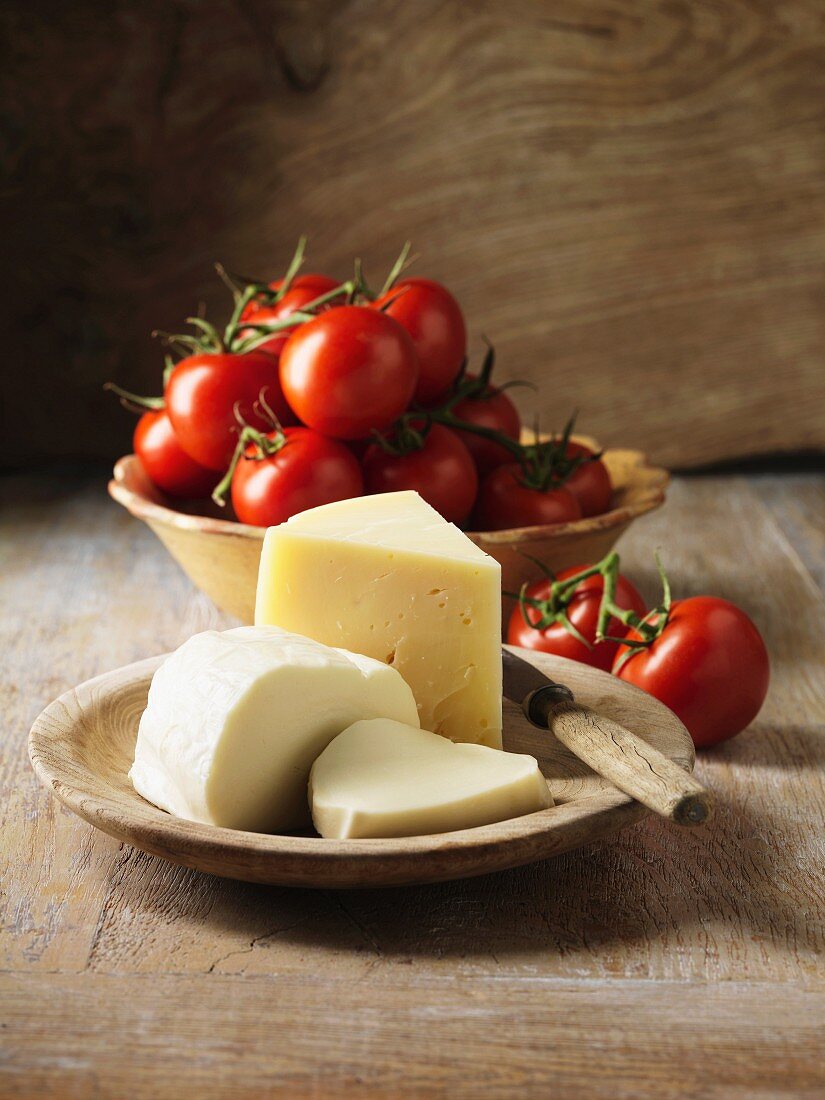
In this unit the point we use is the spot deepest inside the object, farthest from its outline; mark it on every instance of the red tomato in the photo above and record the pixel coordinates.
(308, 470)
(434, 320)
(709, 665)
(358, 447)
(442, 471)
(166, 462)
(505, 501)
(582, 612)
(349, 372)
(590, 483)
(303, 290)
(203, 393)
(495, 410)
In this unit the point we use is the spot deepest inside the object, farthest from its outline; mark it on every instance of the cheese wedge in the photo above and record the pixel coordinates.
(387, 576)
(235, 720)
(381, 778)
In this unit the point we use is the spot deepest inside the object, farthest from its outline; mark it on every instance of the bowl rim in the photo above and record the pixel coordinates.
(651, 495)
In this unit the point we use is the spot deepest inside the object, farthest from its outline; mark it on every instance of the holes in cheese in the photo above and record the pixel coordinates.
(382, 778)
(387, 576)
(236, 718)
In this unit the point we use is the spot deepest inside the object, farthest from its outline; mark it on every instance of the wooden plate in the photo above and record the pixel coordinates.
(82, 746)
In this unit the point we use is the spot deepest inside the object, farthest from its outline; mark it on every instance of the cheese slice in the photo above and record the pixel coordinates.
(387, 576)
(235, 720)
(381, 778)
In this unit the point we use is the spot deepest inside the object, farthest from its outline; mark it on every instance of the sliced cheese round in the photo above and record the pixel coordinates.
(382, 778)
(236, 718)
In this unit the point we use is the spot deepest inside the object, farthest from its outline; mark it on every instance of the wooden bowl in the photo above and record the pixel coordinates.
(221, 557)
(83, 744)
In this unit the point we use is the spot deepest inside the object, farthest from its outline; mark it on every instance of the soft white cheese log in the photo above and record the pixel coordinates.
(236, 718)
(381, 778)
(387, 576)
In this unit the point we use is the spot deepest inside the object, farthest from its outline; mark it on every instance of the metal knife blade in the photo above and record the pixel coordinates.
(530, 689)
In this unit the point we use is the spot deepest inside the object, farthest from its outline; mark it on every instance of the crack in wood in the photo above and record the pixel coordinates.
(367, 936)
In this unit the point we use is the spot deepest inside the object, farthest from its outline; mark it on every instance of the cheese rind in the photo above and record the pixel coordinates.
(236, 718)
(387, 576)
(381, 778)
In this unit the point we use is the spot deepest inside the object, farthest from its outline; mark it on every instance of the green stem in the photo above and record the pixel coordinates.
(520, 596)
(610, 573)
(554, 608)
(486, 367)
(210, 332)
(396, 270)
(408, 434)
(266, 332)
(544, 465)
(358, 286)
(187, 345)
(266, 447)
(609, 609)
(293, 269)
(299, 317)
(228, 281)
(652, 625)
(445, 416)
(127, 398)
(241, 302)
(666, 596)
(391, 300)
(343, 289)
(562, 589)
(475, 388)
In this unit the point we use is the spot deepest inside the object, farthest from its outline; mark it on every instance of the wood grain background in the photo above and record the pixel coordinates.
(628, 198)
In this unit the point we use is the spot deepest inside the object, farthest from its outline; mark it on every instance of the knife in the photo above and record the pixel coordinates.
(612, 751)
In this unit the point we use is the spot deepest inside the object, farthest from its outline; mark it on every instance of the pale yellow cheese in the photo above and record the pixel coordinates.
(381, 778)
(388, 577)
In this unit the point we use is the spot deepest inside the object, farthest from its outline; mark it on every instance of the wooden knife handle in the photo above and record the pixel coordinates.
(630, 763)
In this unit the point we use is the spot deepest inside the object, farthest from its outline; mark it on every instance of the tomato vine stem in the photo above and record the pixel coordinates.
(133, 401)
(554, 607)
(266, 443)
(295, 265)
(397, 268)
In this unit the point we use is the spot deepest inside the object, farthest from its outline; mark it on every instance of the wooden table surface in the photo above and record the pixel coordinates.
(658, 962)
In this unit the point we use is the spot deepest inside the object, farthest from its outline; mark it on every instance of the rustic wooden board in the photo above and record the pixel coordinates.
(655, 962)
(629, 199)
(464, 1040)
